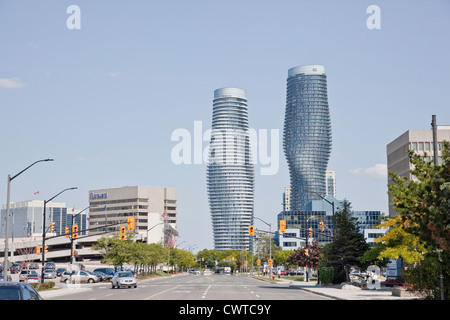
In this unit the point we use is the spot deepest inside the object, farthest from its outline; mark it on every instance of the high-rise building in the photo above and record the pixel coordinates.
(421, 142)
(287, 199)
(230, 172)
(330, 182)
(307, 133)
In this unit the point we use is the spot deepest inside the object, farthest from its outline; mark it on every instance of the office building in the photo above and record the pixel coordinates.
(230, 172)
(287, 199)
(421, 142)
(154, 210)
(330, 182)
(299, 221)
(307, 133)
(26, 218)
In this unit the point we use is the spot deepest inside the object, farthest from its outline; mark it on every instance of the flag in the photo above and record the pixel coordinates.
(37, 192)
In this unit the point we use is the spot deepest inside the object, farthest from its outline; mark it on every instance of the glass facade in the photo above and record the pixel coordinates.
(26, 219)
(307, 133)
(230, 173)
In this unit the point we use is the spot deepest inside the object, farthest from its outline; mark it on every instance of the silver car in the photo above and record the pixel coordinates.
(79, 276)
(124, 279)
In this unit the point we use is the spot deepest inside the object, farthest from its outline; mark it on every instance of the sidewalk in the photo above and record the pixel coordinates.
(352, 293)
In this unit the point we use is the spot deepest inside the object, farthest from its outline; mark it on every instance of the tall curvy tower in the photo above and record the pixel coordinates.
(230, 173)
(307, 133)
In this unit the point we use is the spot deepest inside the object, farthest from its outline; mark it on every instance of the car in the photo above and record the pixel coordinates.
(15, 268)
(124, 279)
(102, 276)
(18, 291)
(33, 278)
(50, 266)
(49, 274)
(108, 271)
(2, 277)
(23, 276)
(60, 271)
(33, 266)
(79, 277)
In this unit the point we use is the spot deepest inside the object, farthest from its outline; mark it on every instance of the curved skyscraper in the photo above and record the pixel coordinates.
(230, 174)
(307, 133)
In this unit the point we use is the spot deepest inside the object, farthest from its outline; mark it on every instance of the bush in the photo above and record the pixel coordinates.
(326, 275)
(43, 286)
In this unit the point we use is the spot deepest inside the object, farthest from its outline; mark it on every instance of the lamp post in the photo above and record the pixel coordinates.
(5, 264)
(43, 231)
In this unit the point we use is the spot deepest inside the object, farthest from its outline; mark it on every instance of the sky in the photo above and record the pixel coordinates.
(102, 89)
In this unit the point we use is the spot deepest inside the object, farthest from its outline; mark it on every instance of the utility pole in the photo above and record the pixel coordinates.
(436, 163)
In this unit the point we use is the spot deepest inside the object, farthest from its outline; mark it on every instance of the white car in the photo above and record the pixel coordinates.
(124, 279)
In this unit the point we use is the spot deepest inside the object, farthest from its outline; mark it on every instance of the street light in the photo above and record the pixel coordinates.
(5, 264)
(43, 230)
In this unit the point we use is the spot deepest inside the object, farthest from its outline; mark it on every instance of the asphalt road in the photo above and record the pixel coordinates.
(193, 287)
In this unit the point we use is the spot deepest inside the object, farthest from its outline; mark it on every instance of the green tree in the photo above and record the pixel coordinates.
(282, 257)
(423, 206)
(348, 246)
(423, 203)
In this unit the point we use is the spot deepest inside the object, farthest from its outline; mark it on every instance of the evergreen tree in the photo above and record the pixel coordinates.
(348, 246)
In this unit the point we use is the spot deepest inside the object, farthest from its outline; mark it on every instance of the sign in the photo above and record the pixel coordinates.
(95, 196)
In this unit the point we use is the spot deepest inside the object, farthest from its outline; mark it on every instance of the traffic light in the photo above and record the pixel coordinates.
(52, 226)
(321, 225)
(38, 249)
(251, 230)
(282, 226)
(46, 249)
(130, 223)
(310, 232)
(75, 231)
(306, 252)
(66, 231)
(122, 233)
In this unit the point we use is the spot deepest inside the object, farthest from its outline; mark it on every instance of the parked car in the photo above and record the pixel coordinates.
(102, 276)
(33, 278)
(15, 268)
(79, 277)
(108, 271)
(33, 266)
(2, 278)
(49, 274)
(124, 279)
(50, 266)
(60, 271)
(18, 291)
(23, 276)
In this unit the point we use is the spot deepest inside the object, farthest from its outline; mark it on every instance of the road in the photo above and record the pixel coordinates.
(194, 287)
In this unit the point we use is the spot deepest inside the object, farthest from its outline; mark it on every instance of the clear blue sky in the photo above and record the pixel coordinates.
(104, 100)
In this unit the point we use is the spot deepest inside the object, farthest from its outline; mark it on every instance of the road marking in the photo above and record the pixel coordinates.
(204, 294)
(156, 294)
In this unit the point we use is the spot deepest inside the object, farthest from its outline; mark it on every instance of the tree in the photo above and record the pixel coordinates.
(423, 206)
(299, 257)
(348, 246)
(282, 257)
(423, 203)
